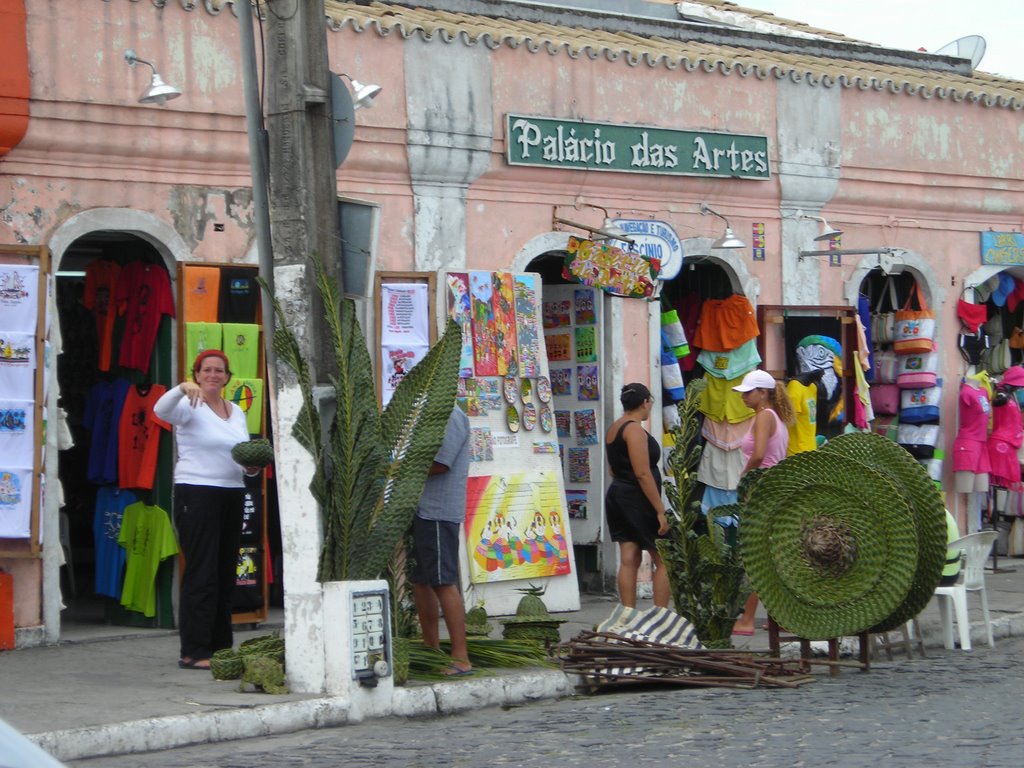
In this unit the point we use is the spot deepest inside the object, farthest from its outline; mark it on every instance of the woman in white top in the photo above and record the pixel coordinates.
(209, 492)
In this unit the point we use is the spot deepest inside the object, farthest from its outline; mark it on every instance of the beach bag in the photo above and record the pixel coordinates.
(671, 377)
(883, 322)
(919, 440)
(917, 371)
(997, 358)
(885, 399)
(933, 467)
(919, 406)
(886, 367)
(915, 328)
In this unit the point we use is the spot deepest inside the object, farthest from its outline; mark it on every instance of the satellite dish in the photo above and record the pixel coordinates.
(971, 47)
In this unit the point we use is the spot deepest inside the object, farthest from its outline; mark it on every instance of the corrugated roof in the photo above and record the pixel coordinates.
(822, 71)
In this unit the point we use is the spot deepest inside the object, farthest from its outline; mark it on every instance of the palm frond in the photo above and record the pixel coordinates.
(412, 427)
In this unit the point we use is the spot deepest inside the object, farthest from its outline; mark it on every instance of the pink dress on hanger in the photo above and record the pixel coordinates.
(970, 452)
(1007, 436)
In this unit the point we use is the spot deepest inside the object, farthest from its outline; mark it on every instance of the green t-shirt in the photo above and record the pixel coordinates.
(242, 346)
(247, 394)
(148, 539)
(200, 337)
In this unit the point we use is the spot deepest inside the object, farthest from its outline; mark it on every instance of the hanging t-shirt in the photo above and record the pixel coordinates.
(242, 346)
(17, 433)
(247, 394)
(106, 532)
(143, 297)
(100, 285)
(139, 437)
(719, 401)
(202, 294)
(101, 417)
(148, 539)
(17, 365)
(15, 503)
(239, 296)
(200, 337)
(19, 297)
(803, 432)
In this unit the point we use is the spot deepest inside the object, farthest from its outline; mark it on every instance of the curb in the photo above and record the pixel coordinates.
(161, 733)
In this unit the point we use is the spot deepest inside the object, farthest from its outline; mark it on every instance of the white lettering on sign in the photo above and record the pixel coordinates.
(739, 161)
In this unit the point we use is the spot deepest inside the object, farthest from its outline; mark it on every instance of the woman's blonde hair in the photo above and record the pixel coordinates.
(779, 400)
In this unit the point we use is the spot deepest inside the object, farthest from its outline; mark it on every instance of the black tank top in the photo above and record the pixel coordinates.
(618, 457)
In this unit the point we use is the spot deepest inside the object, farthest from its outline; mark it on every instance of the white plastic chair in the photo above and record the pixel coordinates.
(976, 548)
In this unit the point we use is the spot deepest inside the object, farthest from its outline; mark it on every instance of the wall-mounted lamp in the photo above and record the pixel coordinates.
(363, 95)
(158, 92)
(728, 239)
(827, 232)
(607, 231)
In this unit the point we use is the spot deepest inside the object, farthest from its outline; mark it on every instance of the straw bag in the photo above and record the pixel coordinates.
(883, 322)
(885, 399)
(915, 328)
(918, 439)
(919, 406)
(917, 371)
(886, 367)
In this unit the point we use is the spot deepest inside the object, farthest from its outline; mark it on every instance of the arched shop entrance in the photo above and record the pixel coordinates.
(95, 383)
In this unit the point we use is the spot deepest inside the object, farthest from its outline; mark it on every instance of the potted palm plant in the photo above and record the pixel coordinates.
(370, 465)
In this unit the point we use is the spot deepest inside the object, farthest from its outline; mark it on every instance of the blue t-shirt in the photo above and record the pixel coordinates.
(444, 495)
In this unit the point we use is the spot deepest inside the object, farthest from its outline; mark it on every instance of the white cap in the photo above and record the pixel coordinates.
(756, 379)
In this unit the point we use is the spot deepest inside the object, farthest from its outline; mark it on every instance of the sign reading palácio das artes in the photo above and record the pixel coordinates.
(1002, 248)
(552, 143)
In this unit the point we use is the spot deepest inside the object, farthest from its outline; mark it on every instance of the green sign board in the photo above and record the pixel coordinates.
(550, 143)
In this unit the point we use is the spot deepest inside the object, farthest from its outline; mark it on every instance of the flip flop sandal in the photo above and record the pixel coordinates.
(544, 389)
(545, 418)
(512, 417)
(509, 389)
(529, 416)
(526, 390)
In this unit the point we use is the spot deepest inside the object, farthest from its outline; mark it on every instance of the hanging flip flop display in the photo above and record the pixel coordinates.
(546, 421)
(509, 389)
(544, 389)
(512, 417)
(529, 416)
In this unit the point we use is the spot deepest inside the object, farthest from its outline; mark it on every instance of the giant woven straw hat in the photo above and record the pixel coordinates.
(926, 506)
(829, 544)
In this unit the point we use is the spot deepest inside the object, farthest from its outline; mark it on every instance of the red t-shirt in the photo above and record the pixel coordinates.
(144, 297)
(139, 438)
(100, 285)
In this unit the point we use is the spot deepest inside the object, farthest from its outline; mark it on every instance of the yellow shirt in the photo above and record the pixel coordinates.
(805, 405)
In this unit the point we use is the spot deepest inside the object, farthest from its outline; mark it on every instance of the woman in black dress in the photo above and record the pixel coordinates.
(633, 505)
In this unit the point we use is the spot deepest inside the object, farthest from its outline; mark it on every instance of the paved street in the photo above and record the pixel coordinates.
(952, 709)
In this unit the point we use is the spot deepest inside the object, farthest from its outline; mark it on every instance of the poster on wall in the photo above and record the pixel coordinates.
(405, 332)
(460, 310)
(515, 527)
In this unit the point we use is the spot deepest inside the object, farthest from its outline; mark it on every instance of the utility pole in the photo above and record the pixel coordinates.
(304, 221)
(303, 204)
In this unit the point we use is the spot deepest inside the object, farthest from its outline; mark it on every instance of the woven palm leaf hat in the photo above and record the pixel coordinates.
(926, 506)
(829, 544)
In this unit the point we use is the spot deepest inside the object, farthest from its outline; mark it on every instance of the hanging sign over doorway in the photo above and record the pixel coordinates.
(1002, 248)
(656, 240)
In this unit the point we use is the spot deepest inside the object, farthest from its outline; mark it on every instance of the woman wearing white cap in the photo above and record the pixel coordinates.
(764, 446)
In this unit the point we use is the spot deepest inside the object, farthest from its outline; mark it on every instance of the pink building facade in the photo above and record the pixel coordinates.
(912, 156)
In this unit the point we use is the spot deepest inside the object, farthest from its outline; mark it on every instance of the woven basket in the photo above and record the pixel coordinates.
(538, 631)
(926, 506)
(226, 664)
(829, 544)
(265, 645)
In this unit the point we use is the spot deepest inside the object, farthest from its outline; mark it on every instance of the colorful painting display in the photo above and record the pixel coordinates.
(527, 337)
(559, 347)
(583, 305)
(586, 345)
(515, 527)
(505, 323)
(461, 311)
(485, 349)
